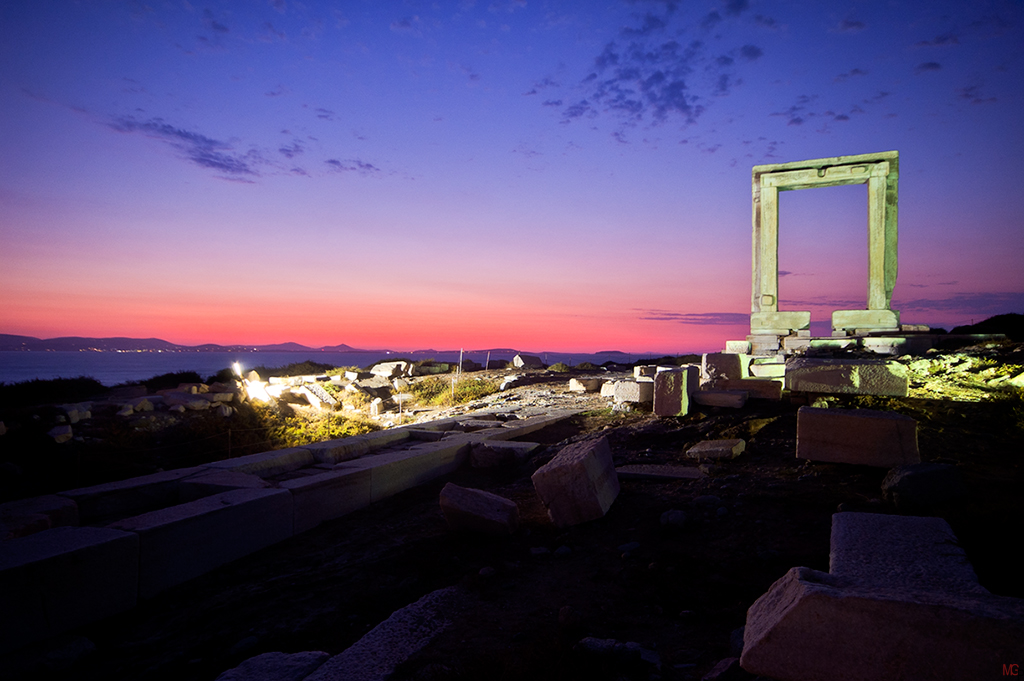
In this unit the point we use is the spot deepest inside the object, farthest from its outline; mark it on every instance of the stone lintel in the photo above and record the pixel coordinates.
(866, 320)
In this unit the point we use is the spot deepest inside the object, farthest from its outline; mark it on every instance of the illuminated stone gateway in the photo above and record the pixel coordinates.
(880, 172)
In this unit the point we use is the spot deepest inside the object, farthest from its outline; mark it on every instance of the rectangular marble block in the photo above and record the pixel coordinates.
(63, 578)
(858, 436)
(180, 543)
(128, 497)
(579, 483)
(268, 464)
(852, 377)
(347, 448)
(394, 472)
(671, 393)
(330, 495)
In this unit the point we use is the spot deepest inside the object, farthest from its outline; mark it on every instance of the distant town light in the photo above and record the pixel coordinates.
(237, 369)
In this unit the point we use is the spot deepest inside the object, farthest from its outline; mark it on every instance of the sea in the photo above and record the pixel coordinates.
(115, 368)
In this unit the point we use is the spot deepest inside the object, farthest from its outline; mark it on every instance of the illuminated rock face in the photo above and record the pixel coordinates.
(858, 436)
(672, 389)
(900, 601)
(579, 484)
(851, 377)
(716, 449)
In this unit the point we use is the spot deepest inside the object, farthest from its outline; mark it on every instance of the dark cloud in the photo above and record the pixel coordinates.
(270, 33)
(276, 92)
(352, 165)
(292, 150)
(798, 112)
(977, 305)
(197, 148)
(927, 66)
(973, 94)
(765, 22)
(843, 77)
(651, 24)
(553, 102)
(725, 60)
(546, 82)
(211, 23)
(280, 5)
(702, 318)
(712, 19)
(325, 114)
(751, 52)
(944, 40)
(736, 7)
(849, 25)
(405, 25)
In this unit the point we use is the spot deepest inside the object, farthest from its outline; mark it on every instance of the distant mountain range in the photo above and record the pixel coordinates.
(10, 342)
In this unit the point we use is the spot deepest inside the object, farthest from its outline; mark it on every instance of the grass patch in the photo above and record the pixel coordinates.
(438, 391)
(560, 368)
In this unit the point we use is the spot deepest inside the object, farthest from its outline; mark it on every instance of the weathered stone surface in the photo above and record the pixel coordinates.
(394, 472)
(490, 454)
(268, 464)
(647, 370)
(63, 578)
(855, 377)
(579, 483)
(191, 401)
(344, 449)
(671, 391)
(326, 496)
(527, 362)
(131, 496)
(737, 347)
(733, 399)
(180, 543)
(716, 449)
(767, 369)
(478, 511)
(608, 388)
(47, 511)
(716, 366)
(585, 385)
(390, 370)
(921, 485)
(375, 656)
(901, 601)
(858, 436)
(634, 391)
(276, 667)
(208, 482)
(61, 433)
(657, 471)
(759, 388)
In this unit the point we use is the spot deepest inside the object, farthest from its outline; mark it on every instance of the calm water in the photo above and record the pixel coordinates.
(112, 368)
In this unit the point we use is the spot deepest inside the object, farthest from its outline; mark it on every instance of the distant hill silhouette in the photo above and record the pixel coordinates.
(10, 342)
(1011, 324)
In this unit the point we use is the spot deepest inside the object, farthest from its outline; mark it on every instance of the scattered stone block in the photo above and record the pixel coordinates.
(527, 362)
(63, 578)
(858, 436)
(140, 404)
(579, 483)
(61, 434)
(326, 496)
(479, 511)
(759, 388)
(767, 369)
(180, 543)
(854, 377)
(733, 399)
(900, 597)
(672, 389)
(608, 388)
(634, 391)
(390, 370)
(375, 656)
(490, 454)
(737, 347)
(921, 485)
(585, 385)
(277, 667)
(716, 366)
(716, 449)
(188, 400)
(647, 370)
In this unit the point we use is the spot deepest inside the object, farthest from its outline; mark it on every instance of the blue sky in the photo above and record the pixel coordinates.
(548, 175)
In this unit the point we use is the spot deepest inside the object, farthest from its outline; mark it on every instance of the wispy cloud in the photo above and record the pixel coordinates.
(926, 67)
(351, 165)
(850, 25)
(702, 318)
(979, 305)
(947, 39)
(973, 94)
(198, 148)
(852, 73)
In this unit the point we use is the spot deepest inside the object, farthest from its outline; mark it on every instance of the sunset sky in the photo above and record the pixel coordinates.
(562, 176)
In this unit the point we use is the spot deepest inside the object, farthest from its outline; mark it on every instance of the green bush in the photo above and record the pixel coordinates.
(36, 391)
(560, 368)
(438, 391)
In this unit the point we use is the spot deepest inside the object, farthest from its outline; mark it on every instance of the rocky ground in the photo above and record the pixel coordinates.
(678, 585)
